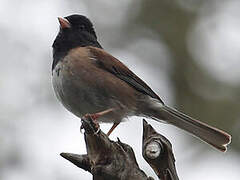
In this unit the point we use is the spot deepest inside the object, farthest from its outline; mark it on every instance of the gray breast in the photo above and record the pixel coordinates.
(80, 98)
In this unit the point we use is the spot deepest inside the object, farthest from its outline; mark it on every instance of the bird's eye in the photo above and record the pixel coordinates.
(82, 27)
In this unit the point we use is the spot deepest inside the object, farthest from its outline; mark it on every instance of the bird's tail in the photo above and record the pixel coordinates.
(213, 136)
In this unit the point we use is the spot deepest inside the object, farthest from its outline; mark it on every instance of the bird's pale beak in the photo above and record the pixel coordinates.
(64, 23)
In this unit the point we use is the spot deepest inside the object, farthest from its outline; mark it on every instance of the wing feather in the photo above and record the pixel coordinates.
(116, 67)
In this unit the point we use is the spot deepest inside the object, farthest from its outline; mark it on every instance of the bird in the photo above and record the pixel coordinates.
(88, 80)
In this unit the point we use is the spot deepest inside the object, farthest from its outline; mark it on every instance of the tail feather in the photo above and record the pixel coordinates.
(213, 136)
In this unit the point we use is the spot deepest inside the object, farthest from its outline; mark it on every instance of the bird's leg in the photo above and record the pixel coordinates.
(99, 114)
(112, 128)
(95, 116)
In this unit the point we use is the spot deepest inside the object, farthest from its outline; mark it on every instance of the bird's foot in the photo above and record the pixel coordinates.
(94, 118)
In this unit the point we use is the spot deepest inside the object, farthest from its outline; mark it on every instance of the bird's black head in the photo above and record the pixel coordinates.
(80, 24)
(75, 31)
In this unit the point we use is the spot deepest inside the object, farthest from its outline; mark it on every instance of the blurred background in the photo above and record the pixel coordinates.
(186, 50)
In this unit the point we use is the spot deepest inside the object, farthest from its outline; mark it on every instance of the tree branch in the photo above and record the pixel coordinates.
(109, 160)
(157, 151)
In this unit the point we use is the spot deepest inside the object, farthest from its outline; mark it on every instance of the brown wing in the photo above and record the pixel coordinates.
(113, 65)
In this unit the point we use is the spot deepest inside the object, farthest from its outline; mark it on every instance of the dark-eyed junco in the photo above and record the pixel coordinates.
(87, 79)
